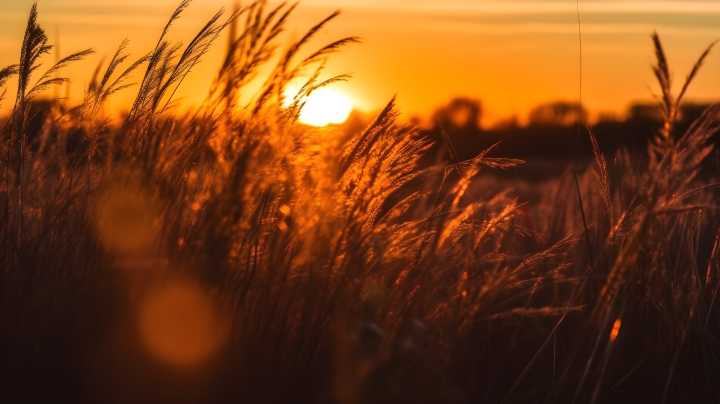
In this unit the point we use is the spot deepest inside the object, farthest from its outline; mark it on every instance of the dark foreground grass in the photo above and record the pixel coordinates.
(227, 254)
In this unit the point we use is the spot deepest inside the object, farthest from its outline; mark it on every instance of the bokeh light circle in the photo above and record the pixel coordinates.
(179, 324)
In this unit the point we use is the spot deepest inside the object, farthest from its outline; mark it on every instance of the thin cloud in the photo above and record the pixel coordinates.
(556, 28)
(524, 7)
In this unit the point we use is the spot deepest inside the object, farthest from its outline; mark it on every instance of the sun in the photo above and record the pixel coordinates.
(325, 106)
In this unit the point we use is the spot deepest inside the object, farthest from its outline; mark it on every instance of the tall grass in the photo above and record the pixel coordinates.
(343, 270)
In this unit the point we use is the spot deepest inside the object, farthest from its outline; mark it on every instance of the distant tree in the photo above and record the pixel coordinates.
(557, 113)
(509, 123)
(460, 114)
(689, 112)
(645, 112)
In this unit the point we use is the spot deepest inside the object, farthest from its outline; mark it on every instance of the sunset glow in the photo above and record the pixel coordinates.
(512, 55)
(221, 201)
(324, 107)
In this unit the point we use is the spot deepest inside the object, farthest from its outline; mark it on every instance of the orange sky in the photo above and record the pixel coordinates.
(510, 54)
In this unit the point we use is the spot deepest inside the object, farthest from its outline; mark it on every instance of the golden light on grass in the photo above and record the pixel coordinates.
(615, 330)
(126, 220)
(299, 233)
(324, 107)
(180, 325)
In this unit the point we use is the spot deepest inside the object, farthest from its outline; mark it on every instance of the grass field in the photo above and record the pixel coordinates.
(227, 253)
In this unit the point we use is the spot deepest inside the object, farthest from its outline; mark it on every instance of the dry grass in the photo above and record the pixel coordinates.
(344, 271)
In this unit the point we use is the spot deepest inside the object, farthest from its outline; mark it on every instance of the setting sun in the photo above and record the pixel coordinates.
(324, 107)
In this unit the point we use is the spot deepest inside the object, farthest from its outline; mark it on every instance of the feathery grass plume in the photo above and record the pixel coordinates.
(662, 73)
(251, 49)
(656, 226)
(168, 68)
(97, 94)
(693, 72)
(117, 59)
(46, 80)
(158, 63)
(602, 177)
(300, 99)
(34, 46)
(5, 74)
(669, 104)
(194, 51)
(283, 73)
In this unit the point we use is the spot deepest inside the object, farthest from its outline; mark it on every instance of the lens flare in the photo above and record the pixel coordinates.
(615, 330)
(179, 325)
(126, 220)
